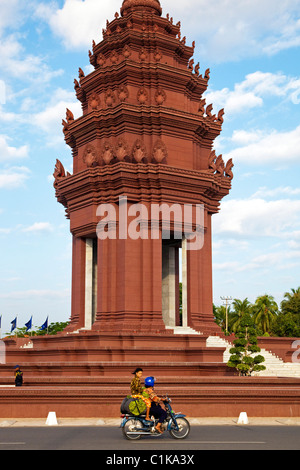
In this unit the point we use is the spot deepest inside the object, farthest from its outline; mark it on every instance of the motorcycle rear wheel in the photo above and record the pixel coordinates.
(132, 425)
(183, 429)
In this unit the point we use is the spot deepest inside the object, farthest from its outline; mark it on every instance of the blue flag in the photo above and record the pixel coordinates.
(29, 324)
(45, 325)
(13, 325)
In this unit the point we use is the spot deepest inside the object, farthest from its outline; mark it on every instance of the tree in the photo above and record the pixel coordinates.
(291, 302)
(245, 346)
(53, 329)
(287, 323)
(220, 316)
(265, 311)
(240, 309)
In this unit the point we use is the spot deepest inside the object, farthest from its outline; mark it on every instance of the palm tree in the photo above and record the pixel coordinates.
(240, 309)
(291, 305)
(265, 311)
(295, 293)
(220, 316)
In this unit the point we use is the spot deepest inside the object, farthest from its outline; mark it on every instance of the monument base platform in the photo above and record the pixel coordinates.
(87, 374)
(198, 397)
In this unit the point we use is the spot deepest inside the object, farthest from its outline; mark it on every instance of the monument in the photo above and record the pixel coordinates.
(144, 141)
(145, 184)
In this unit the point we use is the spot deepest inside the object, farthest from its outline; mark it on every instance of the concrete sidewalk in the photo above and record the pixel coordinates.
(115, 422)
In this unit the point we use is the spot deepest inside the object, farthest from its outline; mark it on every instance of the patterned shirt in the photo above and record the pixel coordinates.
(152, 395)
(136, 387)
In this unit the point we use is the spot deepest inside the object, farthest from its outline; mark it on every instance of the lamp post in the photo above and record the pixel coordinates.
(226, 300)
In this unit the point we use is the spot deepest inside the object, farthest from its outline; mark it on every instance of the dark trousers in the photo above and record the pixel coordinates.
(158, 413)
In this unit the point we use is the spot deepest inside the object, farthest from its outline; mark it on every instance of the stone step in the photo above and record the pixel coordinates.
(183, 330)
(274, 365)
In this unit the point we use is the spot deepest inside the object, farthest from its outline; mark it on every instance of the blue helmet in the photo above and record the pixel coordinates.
(149, 381)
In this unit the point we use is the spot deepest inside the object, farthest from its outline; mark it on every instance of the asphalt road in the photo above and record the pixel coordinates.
(111, 439)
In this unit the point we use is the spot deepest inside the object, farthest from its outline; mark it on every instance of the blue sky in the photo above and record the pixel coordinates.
(253, 51)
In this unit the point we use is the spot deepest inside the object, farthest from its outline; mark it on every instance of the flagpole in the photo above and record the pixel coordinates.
(0, 326)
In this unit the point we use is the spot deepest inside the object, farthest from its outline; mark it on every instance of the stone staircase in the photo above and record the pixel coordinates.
(184, 330)
(275, 367)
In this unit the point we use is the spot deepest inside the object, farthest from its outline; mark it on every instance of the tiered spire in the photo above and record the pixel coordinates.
(152, 6)
(143, 103)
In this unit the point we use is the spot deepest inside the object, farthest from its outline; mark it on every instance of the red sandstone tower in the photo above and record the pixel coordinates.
(146, 133)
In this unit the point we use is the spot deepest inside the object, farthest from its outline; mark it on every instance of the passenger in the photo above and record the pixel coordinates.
(138, 391)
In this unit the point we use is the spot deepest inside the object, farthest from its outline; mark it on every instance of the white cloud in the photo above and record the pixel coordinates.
(223, 31)
(49, 120)
(8, 153)
(11, 13)
(228, 31)
(251, 92)
(257, 218)
(78, 22)
(39, 227)
(14, 177)
(286, 190)
(259, 148)
(279, 260)
(16, 63)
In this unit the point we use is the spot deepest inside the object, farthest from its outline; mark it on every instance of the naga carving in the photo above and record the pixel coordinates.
(59, 172)
(220, 116)
(220, 166)
(228, 169)
(216, 166)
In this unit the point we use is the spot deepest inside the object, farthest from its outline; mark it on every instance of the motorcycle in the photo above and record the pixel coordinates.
(133, 427)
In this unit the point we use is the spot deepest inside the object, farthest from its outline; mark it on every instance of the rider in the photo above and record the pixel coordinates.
(155, 410)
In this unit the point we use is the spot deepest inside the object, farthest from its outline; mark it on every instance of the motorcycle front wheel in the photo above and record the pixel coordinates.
(183, 429)
(132, 425)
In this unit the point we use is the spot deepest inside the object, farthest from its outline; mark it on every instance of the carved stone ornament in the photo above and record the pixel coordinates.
(160, 96)
(143, 55)
(90, 156)
(138, 151)
(228, 169)
(114, 57)
(121, 150)
(69, 116)
(202, 104)
(101, 60)
(107, 153)
(220, 166)
(159, 152)
(123, 93)
(94, 101)
(220, 116)
(210, 116)
(59, 172)
(126, 52)
(157, 55)
(110, 98)
(142, 95)
(212, 162)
